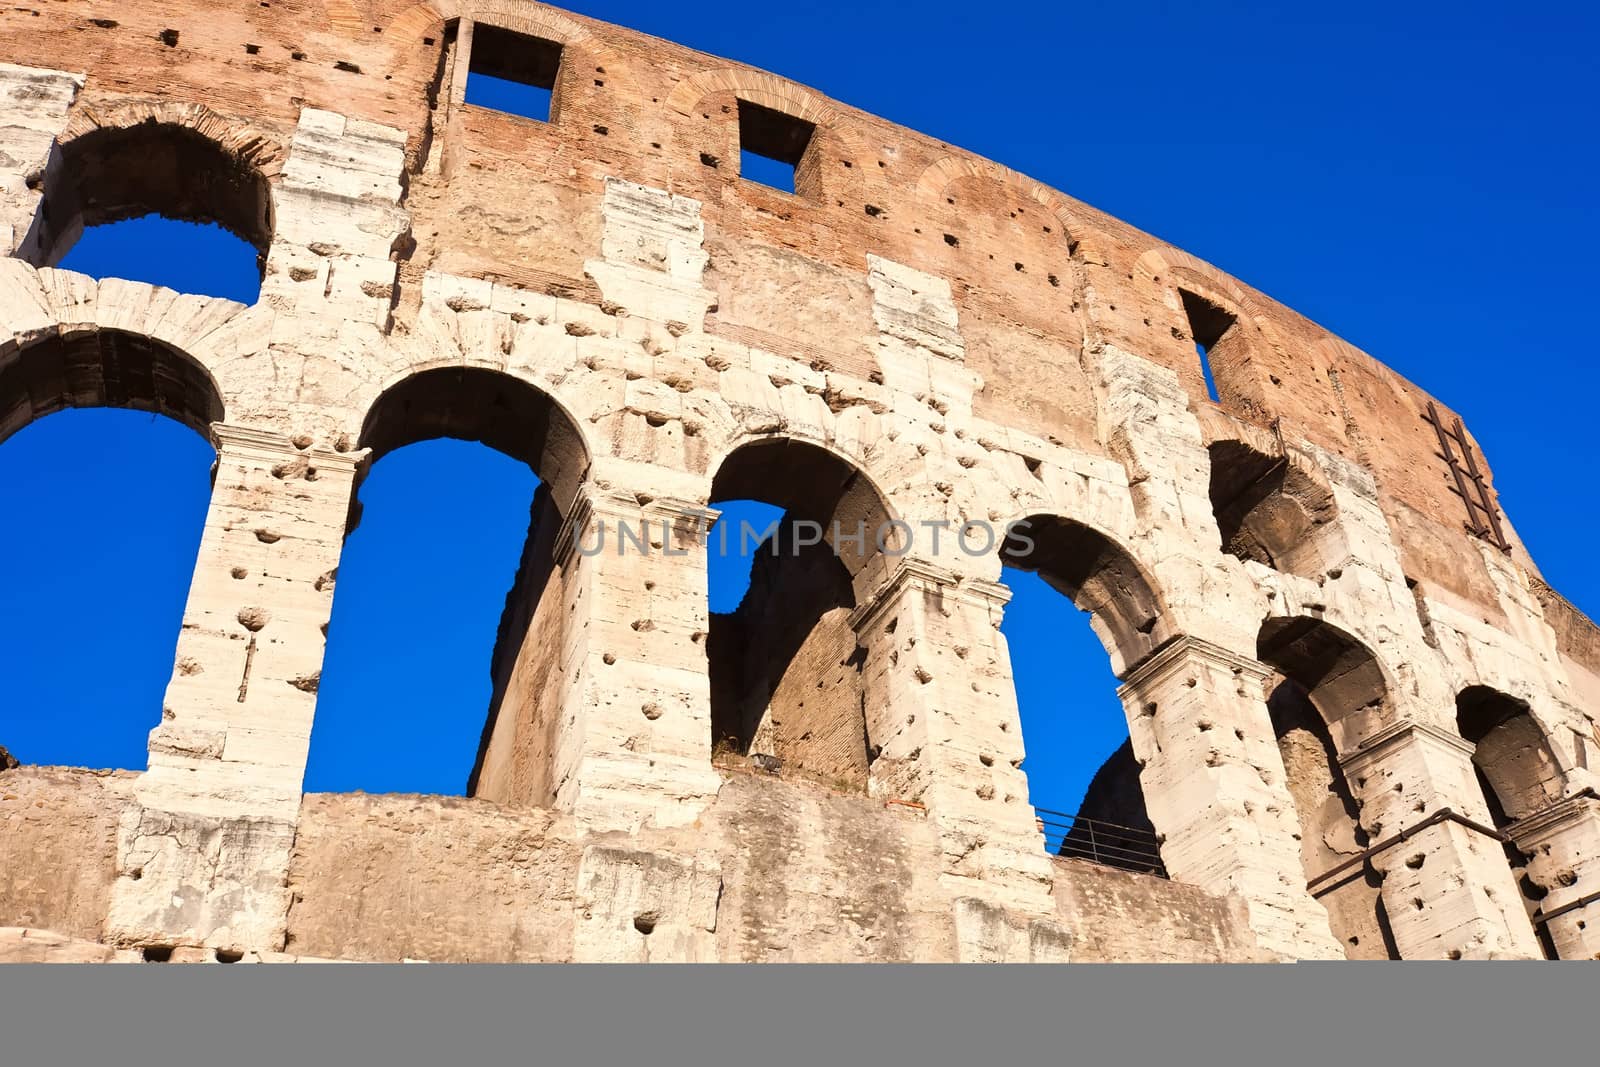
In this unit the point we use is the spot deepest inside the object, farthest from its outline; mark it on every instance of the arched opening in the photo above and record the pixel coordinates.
(1517, 771)
(1077, 596)
(155, 202)
(1268, 508)
(99, 541)
(437, 679)
(1329, 687)
(787, 691)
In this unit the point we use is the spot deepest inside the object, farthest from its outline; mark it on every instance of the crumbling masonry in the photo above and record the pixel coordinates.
(1362, 724)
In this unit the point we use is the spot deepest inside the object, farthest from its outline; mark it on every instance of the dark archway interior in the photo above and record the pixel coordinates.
(1340, 675)
(1112, 826)
(786, 669)
(112, 174)
(105, 368)
(1331, 689)
(1510, 751)
(1517, 772)
(1267, 508)
(1330, 828)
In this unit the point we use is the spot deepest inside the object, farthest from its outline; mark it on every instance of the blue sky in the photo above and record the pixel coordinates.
(1419, 180)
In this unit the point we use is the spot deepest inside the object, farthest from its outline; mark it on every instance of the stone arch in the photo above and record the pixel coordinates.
(105, 368)
(758, 87)
(1328, 683)
(1520, 774)
(1270, 506)
(1098, 575)
(485, 405)
(182, 161)
(1127, 614)
(835, 488)
(1514, 757)
(88, 367)
(786, 667)
(1343, 679)
(514, 763)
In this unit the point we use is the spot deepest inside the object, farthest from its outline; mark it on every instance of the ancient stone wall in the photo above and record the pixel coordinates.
(915, 334)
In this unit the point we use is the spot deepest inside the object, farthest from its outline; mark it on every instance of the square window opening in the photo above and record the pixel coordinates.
(1208, 324)
(512, 72)
(773, 147)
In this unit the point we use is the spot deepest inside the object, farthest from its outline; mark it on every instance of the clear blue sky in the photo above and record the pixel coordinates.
(1420, 181)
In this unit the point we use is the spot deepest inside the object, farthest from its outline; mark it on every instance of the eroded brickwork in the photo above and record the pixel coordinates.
(915, 335)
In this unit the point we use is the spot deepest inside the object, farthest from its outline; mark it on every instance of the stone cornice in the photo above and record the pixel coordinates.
(1179, 652)
(1400, 733)
(592, 505)
(913, 574)
(262, 444)
(1531, 830)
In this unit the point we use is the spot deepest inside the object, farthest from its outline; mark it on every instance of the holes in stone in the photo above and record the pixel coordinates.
(645, 922)
(347, 67)
(105, 24)
(252, 49)
(874, 210)
(169, 38)
(709, 160)
(513, 73)
(224, 955)
(952, 240)
(774, 148)
(156, 953)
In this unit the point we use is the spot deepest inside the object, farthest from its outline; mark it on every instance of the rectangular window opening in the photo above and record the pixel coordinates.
(512, 72)
(1207, 326)
(772, 147)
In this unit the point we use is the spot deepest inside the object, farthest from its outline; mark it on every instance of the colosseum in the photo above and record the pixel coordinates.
(1361, 724)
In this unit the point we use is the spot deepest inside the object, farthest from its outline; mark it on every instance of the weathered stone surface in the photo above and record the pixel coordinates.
(774, 871)
(58, 847)
(916, 336)
(19, 944)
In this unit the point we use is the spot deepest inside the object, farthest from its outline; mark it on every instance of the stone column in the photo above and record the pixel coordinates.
(339, 225)
(943, 729)
(1448, 891)
(639, 697)
(1217, 793)
(1563, 846)
(202, 857)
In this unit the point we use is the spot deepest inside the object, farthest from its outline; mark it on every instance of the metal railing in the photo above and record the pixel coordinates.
(1107, 843)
